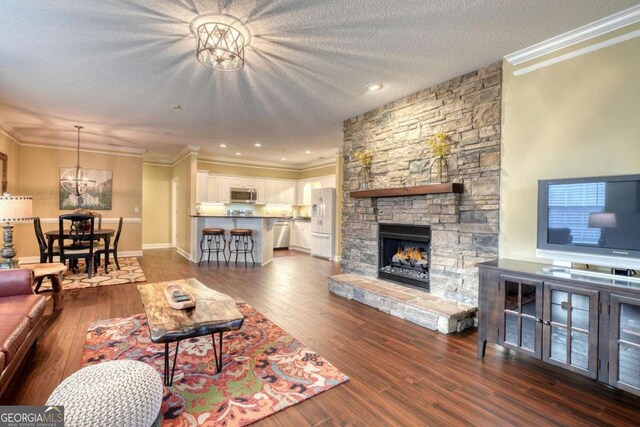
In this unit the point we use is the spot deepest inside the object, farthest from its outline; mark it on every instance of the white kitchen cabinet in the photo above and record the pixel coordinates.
(261, 191)
(237, 182)
(272, 192)
(249, 183)
(299, 192)
(212, 189)
(328, 182)
(224, 189)
(286, 192)
(201, 186)
(301, 234)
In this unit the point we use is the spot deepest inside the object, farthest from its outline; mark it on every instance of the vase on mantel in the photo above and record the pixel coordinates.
(439, 170)
(365, 181)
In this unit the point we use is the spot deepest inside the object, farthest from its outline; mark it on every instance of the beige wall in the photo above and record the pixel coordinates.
(185, 172)
(224, 169)
(156, 204)
(318, 172)
(39, 177)
(571, 119)
(10, 147)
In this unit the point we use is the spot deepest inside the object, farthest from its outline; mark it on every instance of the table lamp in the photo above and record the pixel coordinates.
(13, 209)
(602, 220)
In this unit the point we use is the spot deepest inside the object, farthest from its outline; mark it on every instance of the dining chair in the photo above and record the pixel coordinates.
(113, 249)
(81, 234)
(43, 248)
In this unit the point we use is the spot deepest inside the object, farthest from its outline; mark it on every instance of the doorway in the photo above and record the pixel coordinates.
(174, 212)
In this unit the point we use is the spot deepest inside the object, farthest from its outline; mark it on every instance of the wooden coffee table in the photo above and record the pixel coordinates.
(214, 313)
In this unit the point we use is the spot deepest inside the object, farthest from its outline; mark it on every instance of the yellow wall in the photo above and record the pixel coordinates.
(225, 169)
(575, 118)
(39, 172)
(10, 147)
(156, 204)
(185, 172)
(339, 198)
(318, 172)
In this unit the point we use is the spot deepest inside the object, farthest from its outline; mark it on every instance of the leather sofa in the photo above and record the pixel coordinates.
(21, 321)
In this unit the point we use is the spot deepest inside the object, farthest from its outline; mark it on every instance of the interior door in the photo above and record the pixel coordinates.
(624, 344)
(570, 333)
(520, 327)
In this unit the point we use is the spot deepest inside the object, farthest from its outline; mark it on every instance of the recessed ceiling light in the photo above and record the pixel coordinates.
(238, 154)
(373, 87)
(307, 152)
(284, 158)
(223, 145)
(257, 144)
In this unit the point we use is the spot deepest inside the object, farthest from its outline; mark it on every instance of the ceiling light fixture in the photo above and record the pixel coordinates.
(257, 144)
(223, 145)
(77, 180)
(238, 154)
(307, 152)
(374, 87)
(220, 46)
(284, 158)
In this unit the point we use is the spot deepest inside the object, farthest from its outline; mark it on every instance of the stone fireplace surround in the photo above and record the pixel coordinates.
(464, 227)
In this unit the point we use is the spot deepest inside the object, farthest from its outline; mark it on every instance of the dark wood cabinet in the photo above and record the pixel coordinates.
(586, 324)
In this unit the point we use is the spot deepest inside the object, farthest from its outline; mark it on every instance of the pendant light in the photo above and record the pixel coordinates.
(77, 180)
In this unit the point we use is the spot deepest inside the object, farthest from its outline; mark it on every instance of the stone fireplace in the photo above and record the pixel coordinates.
(403, 254)
(458, 229)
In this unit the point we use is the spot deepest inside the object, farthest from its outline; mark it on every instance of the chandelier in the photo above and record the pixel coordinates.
(220, 46)
(77, 180)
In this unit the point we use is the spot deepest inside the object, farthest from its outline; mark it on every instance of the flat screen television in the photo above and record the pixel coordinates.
(590, 220)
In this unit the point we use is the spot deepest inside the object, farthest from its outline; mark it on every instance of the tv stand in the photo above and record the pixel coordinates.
(583, 321)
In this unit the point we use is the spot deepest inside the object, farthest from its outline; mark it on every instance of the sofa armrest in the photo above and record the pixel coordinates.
(16, 282)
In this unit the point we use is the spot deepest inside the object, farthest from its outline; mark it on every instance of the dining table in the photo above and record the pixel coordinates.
(98, 234)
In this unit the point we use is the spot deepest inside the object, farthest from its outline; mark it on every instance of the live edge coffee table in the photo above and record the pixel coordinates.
(214, 313)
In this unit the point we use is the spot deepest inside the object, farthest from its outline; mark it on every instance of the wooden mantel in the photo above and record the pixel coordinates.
(409, 191)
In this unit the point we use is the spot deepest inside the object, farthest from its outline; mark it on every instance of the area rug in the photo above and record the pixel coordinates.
(130, 272)
(265, 370)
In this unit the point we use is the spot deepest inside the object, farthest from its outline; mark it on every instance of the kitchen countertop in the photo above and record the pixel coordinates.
(250, 216)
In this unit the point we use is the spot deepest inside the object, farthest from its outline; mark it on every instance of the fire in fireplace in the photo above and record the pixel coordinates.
(404, 253)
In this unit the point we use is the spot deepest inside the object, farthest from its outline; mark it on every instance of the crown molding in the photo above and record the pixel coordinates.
(5, 129)
(603, 26)
(186, 151)
(85, 147)
(156, 163)
(262, 165)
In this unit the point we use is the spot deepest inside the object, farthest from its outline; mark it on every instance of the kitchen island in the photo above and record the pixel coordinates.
(262, 227)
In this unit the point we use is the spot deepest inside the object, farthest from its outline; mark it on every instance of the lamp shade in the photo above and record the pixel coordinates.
(15, 208)
(602, 220)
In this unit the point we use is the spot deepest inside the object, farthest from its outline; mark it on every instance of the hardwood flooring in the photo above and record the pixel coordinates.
(401, 374)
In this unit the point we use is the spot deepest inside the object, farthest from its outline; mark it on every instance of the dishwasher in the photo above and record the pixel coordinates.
(281, 236)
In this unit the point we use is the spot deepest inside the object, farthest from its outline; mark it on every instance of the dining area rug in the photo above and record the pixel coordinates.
(265, 370)
(130, 272)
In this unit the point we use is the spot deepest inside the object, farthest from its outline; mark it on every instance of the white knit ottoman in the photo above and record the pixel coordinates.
(119, 393)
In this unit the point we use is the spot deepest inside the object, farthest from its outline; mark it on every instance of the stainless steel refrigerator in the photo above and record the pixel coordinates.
(323, 221)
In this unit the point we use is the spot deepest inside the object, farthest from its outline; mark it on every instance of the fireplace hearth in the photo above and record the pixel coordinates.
(404, 254)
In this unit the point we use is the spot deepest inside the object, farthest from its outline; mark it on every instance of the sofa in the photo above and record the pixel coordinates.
(21, 321)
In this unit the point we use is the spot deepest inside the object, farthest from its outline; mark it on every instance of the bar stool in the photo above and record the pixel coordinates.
(241, 237)
(215, 242)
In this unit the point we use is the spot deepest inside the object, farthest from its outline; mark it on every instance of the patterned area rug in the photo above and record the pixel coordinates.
(130, 272)
(265, 369)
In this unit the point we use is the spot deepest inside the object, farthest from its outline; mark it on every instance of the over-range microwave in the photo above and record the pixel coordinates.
(243, 195)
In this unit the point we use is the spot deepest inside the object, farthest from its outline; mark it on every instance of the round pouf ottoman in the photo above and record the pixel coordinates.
(119, 393)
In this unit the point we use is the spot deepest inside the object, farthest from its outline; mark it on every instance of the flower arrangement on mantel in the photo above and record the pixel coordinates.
(366, 159)
(439, 170)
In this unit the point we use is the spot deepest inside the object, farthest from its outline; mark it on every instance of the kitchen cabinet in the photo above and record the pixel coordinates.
(212, 189)
(286, 192)
(624, 345)
(201, 186)
(273, 195)
(224, 189)
(328, 182)
(237, 182)
(301, 235)
(261, 191)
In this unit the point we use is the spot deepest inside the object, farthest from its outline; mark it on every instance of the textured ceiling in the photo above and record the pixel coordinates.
(118, 66)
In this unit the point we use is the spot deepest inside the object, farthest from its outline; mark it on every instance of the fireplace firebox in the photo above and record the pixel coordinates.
(404, 253)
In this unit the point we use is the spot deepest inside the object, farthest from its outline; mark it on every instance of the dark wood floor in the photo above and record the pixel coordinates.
(401, 374)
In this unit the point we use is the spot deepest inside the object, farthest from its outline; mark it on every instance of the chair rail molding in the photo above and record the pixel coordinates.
(598, 28)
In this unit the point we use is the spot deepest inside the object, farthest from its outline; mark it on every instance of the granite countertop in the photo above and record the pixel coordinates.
(252, 216)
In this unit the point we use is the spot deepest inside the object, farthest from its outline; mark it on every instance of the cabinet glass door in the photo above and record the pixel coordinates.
(521, 302)
(624, 350)
(570, 337)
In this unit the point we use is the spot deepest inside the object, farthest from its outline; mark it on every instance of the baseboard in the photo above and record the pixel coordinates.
(337, 258)
(184, 253)
(300, 249)
(36, 259)
(156, 246)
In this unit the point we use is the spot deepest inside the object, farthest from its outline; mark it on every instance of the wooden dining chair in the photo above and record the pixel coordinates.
(42, 242)
(81, 235)
(113, 249)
